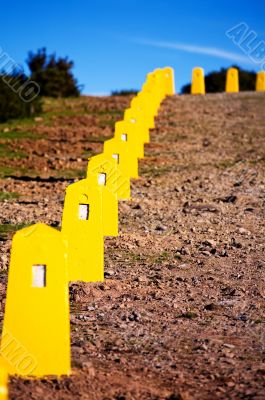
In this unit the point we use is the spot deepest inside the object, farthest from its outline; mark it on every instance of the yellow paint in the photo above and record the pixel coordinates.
(232, 81)
(197, 84)
(148, 88)
(120, 152)
(169, 81)
(127, 131)
(3, 382)
(137, 118)
(82, 227)
(36, 331)
(102, 173)
(157, 79)
(260, 81)
(141, 103)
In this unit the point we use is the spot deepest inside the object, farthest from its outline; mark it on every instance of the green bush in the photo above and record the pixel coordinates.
(52, 74)
(14, 103)
(123, 92)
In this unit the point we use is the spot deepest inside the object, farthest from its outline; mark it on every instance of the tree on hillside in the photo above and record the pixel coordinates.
(215, 81)
(16, 101)
(52, 74)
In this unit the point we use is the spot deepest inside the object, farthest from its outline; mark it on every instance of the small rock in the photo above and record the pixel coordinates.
(134, 316)
(136, 207)
(229, 346)
(38, 119)
(108, 273)
(183, 266)
(209, 242)
(161, 228)
(88, 366)
(243, 231)
(211, 307)
(242, 317)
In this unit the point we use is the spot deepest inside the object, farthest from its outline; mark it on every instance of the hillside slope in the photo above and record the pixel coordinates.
(181, 313)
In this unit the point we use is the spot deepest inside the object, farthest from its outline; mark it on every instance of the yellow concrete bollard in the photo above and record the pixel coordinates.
(83, 230)
(102, 173)
(36, 331)
(141, 104)
(197, 83)
(127, 132)
(3, 382)
(120, 152)
(232, 81)
(260, 81)
(137, 118)
(156, 77)
(169, 81)
(149, 88)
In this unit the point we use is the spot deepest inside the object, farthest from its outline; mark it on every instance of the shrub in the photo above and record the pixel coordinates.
(11, 103)
(124, 92)
(53, 74)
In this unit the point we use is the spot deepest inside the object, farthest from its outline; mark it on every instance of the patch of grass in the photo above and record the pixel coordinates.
(71, 174)
(104, 123)
(225, 164)
(7, 171)
(98, 139)
(6, 152)
(117, 113)
(87, 154)
(20, 135)
(8, 195)
(11, 124)
(8, 229)
(163, 257)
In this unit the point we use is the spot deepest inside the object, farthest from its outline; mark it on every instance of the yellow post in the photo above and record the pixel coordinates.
(232, 81)
(127, 132)
(260, 81)
(169, 81)
(36, 331)
(150, 89)
(82, 227)
(141, 104)
(156, 78)
(197, 84)
(119, 151)
(137, 118)
(102, 173)
(3, 382)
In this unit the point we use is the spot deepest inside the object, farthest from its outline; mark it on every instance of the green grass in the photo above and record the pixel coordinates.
(8, 195)
(7, 171)
(12, 123)
(98, 139)
(9, 229)
(71, 174)
(6, 152)
(20, 135)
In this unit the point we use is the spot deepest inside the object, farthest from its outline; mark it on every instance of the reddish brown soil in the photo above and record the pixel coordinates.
(181, 313)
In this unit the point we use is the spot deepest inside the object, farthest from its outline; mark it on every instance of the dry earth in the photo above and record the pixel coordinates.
(181, 313)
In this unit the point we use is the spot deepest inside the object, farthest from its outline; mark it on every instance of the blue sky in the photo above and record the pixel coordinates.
(115, 43)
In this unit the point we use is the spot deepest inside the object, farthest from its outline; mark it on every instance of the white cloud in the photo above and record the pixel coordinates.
(189, 48)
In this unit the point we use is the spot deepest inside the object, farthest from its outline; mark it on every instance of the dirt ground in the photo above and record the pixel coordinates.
(181, 313)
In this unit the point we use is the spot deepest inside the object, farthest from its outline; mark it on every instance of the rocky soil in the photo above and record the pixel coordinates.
(181, 313)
